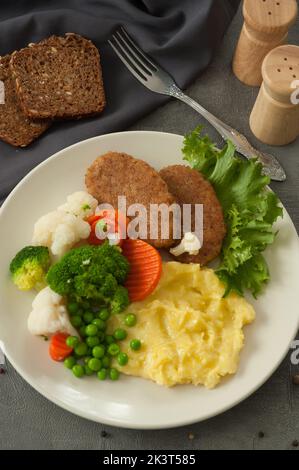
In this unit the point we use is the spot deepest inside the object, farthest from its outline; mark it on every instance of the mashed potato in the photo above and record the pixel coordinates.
(189, 333)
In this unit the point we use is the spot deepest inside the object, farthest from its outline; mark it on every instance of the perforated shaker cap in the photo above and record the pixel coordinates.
(270, 16)
(281, 70)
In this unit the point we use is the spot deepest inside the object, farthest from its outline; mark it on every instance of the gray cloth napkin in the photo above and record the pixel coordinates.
(180, 35)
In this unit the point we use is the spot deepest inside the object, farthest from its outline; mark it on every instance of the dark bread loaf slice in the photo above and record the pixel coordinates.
(16, 128)
(60, 77)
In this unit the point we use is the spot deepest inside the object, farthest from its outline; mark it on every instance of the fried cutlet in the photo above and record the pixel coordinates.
(118, 174)
(188, 186)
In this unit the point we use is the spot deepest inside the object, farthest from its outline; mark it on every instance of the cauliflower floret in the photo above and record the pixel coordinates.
(190, 243)
(81, 204)
(59, 231)
(49, 315)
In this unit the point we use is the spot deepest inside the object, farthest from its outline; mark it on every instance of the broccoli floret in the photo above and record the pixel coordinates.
(94, 273)
(120, 300)
(29, 267)
(114, 262)
(60, 279)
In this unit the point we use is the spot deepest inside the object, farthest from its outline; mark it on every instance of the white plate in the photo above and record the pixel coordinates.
(133, 402)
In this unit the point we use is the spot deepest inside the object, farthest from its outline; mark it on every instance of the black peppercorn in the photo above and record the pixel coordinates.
(295, 379)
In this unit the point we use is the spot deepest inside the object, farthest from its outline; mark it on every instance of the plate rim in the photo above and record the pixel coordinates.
(114, 422)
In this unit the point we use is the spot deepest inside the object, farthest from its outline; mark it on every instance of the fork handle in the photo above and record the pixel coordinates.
(271, 165)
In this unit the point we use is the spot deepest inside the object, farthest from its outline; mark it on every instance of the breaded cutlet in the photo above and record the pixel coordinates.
(188, 186)
(118, 174)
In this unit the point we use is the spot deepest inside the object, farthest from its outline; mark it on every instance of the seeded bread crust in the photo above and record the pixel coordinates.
(59, 78)
(15, 128)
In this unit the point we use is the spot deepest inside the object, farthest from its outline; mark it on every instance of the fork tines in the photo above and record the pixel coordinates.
(132, 56)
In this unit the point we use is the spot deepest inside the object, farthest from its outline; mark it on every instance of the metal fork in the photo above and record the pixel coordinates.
(153, 77)
(2, 358)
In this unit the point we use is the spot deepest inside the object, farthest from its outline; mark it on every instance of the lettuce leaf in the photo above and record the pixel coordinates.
(250, 210)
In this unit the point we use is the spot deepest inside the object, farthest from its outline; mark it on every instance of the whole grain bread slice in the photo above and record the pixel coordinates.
(60, 77)
(16, 128)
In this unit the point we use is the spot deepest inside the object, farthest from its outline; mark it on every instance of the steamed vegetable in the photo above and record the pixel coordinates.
(107, 224)
(145, 268)
(58, 349)
(95, 273)
(29, 266)
(49, 315)
(135, 344)
(80, 204)
(250, 211)
(60, 231)
(95, 351)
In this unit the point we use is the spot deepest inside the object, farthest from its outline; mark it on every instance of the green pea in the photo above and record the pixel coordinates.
(78, 370)
(104, 314)
(88, 370)
(106, 362)
(120, 334)
(91, 330)
(114, 374)
(81, 349)
(102, 374)
(69, 362)
(85, 305)
(88, 317)
(98, 351)
(76, 321)
(101, 336)
(72, 341)
(82, 331)
(135, 344)
(109, 339)
(72, 307)
(95, 364)
(100, 324)
(131, 319)
(92, 341)
(86, 359)
(113, 349)
(80, 312)
(122, 359)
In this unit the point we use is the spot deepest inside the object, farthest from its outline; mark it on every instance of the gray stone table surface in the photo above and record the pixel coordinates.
(269, 419)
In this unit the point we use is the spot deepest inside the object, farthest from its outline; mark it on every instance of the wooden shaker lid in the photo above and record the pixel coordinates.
(280, 69)
(270, 16)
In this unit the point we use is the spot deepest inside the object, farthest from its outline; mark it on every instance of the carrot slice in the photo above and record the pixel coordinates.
(145, 268)
(58, 349)
(92, 218)
(114, 223)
